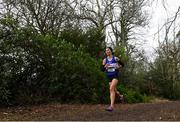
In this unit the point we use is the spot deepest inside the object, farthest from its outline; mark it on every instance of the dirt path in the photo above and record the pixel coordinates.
(149, 111)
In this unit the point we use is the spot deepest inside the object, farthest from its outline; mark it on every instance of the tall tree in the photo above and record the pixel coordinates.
(46, 16)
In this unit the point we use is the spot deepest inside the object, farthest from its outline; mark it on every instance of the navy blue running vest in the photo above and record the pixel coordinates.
(111, 72)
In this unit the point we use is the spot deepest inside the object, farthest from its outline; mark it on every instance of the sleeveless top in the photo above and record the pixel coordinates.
(111, 71)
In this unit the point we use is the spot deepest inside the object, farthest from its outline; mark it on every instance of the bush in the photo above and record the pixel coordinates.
(91, 40)
(4, 95)
(36, 68)
(133, 96)
(76, 77)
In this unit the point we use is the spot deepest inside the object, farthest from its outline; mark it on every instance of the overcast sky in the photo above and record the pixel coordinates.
(159, 15)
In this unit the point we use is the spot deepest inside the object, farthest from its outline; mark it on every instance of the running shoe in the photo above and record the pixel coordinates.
(109, 108)
(122, 99)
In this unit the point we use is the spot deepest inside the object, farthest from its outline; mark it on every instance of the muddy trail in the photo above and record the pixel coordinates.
(158, 111)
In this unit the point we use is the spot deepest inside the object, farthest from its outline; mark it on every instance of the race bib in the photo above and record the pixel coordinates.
(111, 70)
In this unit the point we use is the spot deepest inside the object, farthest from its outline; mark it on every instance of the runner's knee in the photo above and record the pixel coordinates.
(112, 89)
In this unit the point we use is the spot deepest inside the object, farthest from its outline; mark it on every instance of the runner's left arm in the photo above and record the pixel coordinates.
(119, 62)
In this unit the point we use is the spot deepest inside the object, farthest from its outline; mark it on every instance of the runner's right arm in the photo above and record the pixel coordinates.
(104, 65)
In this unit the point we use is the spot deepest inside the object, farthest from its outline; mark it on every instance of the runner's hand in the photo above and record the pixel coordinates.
(106, 66)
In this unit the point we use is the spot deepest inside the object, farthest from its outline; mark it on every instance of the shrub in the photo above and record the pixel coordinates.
(76, 77)
(37, 68)
(133, 96)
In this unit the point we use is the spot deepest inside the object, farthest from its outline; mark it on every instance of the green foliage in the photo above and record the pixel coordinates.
(37, 68)
(120, 51)
(94, 42)
(4, 94)
(161, 75)
(133, 96)
(76, 76)
(74, 36)
(91, 41)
